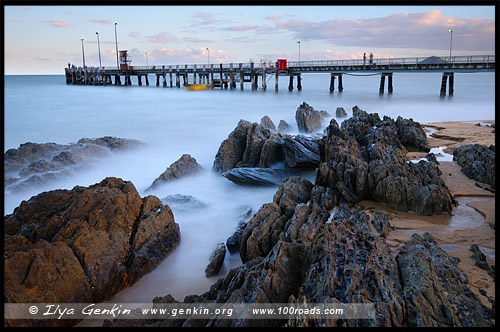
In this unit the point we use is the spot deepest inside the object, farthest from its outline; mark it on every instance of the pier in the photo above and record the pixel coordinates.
(230, 75)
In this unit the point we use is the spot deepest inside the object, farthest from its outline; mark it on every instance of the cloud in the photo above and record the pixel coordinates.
(101, 21)
(427, 30)
(165, 55)
(163, 38)
(196, 40)
(57, 23)
(273, 18)
(207, 19)
(261, 29)
(134, 34)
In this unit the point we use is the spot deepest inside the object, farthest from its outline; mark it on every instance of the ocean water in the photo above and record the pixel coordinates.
(174, 121)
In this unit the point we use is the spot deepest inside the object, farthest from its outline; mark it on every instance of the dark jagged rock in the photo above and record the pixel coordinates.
(480, 259)
(301, 151)
(432, 157)
(267, 123)
(34, 164)
(477, 162)
(340, 112)
(248, 145)
(435, 289)
(233, 242)
(365, 159)
(184, 166)
(411, 134)
(256, 176)
(216, 260)
(85, 244)
(308, 119)
(382, 224)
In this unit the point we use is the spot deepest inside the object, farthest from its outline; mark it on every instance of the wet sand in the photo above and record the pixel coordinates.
(470, 222)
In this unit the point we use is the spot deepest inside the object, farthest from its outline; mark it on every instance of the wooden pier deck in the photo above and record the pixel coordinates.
(229, 75)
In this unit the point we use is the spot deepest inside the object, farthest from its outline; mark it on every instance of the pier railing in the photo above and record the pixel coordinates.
(434, 62)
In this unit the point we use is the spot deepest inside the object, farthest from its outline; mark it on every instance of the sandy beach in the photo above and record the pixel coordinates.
(455, 234)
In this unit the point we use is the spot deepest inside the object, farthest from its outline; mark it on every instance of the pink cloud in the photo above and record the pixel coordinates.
(101, 21)
(57, 23)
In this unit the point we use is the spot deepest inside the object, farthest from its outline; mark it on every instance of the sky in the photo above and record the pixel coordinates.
(41, 40)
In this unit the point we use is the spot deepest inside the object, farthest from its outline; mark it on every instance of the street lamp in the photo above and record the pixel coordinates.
(99, 49)
(83, 55)
(147, 61)
(299, 49)
(116, 42)
(208, 55)
(451, 40)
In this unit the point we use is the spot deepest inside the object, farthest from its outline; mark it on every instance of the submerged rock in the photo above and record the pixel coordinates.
(34, 164)
(256, 176)
(179, 202)
(301, 151)
(233, 242)
(184, 166)
(85, 244)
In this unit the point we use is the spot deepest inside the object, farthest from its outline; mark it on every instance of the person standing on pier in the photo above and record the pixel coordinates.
(364, 59)
(371, 59)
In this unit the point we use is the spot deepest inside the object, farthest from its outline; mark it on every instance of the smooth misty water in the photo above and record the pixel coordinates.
(173, 121)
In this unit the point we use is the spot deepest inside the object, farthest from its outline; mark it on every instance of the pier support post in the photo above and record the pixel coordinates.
(276, 75)
(252, 76)
(389, 83)
(290, 85)
(341, 87)
(242, 76)
(332, 83)
(232, 85)
(382, 84)
(194, 74)
(139, 81)
(157, 80)
(147, 79)
(299, 83)
(221, 77)
(164, 80)
(450, 83)
(212, 75)
(170, 76)
(443, 84)
(117, 80)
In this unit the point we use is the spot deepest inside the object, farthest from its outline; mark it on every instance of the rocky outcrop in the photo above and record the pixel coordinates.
(216, 260)
(251, 152)
(434, 288)
(365, 158)
(248, 145)
(480, 258)
(308, 119)
(267, 123)
(301, 151)
(340, 112)
(284, 127)
(34, 164)
(184, 166)
(85, 244)
(477, 162)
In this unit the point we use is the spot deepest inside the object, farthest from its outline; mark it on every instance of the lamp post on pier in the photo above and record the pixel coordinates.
(99, 49)
(208, 56)
(451, 41)
(83, 55)
(116, 43)
(298, 42)
(147, 61)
